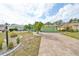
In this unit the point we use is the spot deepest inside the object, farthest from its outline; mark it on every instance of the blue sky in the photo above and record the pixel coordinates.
(53, 10)
(25, 13)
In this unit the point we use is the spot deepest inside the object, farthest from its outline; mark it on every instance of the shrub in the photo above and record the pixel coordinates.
(10, 45)
(77, 30)
(69, 29)
(13, 29)
(1, 43)
(13, 34)
(18, 40)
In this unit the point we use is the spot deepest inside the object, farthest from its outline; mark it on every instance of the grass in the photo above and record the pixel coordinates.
(1, 35)
(30, 45)
(33, 46)
(25, 33)
(72, 34)
(1, 40)
(13, 34)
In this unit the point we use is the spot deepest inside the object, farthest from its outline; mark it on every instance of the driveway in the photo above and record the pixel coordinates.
(56, 44)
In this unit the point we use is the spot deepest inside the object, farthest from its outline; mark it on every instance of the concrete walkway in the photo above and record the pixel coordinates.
(56, 44)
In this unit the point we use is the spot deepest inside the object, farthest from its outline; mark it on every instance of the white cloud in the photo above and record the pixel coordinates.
(21, 12)
(67, 12)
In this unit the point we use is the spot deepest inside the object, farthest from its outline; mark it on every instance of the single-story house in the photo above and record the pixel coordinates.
(19, 27)
(73, 26)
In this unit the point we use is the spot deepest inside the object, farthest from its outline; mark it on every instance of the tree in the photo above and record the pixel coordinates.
(38, 26)
(59, 22)
(28, 27)
(48, 23)
(70, 20)
(75, 20)
(25, 27)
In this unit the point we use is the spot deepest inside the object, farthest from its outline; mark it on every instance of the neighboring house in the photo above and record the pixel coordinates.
(19, 27)
(12, 26)
(73, 26)
(2, 27)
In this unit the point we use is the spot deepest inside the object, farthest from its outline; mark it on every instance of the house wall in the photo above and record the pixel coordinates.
(75, 27)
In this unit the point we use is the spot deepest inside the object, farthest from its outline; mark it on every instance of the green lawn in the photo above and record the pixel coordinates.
(1, 36)
(72, 34)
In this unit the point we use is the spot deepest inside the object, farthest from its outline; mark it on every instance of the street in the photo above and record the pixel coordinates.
(56, 44)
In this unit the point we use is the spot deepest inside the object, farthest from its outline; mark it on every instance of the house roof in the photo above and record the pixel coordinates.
(70, 24)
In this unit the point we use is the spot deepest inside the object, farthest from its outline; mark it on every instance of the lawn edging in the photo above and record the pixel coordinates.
(10, 51)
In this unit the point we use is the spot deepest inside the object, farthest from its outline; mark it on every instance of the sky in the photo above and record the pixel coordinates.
(21, 12)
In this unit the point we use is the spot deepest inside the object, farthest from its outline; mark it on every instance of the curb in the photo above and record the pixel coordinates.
(12, 50)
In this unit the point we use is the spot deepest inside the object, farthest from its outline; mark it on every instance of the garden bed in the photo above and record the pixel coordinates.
(13, 41)
(30, 45)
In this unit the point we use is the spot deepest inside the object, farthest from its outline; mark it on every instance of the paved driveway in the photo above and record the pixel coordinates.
(56, 44)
